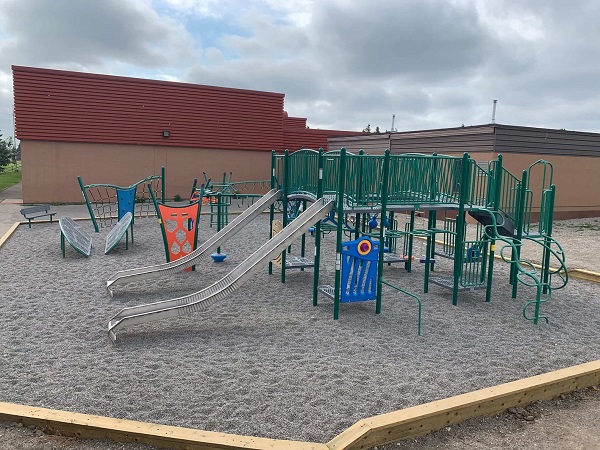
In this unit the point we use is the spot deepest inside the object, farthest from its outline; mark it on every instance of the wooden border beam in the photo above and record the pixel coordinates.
(366, 433)
(88, 426)
(423, 419)
(583, 274)
(9, 233)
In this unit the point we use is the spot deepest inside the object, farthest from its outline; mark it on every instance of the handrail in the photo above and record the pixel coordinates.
(527, 273)
(410, 295)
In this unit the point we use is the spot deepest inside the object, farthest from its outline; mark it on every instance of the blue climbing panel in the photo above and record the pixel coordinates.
(126, 201)
(359, 270)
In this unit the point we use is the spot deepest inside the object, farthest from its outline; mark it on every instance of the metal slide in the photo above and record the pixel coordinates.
(218, 239)
(226, 285)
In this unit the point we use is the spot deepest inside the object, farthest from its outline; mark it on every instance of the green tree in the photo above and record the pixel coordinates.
(9, 153)
(15, 152)
(5, 153)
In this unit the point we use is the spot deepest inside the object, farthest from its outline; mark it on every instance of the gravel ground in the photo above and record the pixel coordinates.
(265, 362)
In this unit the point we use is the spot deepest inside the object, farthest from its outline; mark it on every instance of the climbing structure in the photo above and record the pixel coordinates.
(220, 195)
(108, 203)
(456, 187)
(179, 226)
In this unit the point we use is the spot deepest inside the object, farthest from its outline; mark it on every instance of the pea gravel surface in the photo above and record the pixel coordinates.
(263, 362)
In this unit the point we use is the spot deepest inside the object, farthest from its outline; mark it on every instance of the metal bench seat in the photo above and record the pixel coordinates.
(33, 212)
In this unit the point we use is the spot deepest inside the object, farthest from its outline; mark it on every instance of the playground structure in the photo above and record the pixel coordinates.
(364, 185)
(108, 203)
(347, 192)
(179, 227)
(219, 196)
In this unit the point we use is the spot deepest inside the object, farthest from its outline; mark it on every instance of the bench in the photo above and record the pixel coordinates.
(34, 212)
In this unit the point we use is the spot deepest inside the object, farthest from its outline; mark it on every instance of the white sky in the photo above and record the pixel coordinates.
(343, 64)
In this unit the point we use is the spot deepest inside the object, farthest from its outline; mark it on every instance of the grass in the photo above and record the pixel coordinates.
(10, 176)
(586, 226)
(592, 225)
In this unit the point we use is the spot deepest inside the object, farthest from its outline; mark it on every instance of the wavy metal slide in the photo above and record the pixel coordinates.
(226, 285)
(218, 239)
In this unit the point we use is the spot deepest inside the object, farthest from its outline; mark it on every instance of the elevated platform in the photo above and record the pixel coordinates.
(391, 258)
(448, 283)
(298, 262)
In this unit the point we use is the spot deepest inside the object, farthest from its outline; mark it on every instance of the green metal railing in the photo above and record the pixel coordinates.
(480, 187)
(412, 296)
(474, 264)
(509, 192)
(374, 183)
(414, 178)
(423, 179)
(304, 172)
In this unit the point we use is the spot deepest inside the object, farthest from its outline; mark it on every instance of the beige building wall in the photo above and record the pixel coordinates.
(50, 169)
(575, 177)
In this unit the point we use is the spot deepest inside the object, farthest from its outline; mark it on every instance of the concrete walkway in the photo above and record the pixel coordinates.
(11, 202)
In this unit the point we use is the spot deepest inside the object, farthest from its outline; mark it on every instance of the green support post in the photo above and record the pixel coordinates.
(519, 227)
(547, 241)
(87, 202)
(286, 181)
(427, 266)
(411, 228)
(497, 183)
(391, 243)
(384, 194)
(432, 224)
(430, 249)
(432, 215)
(303, 238)
(318, 232)
(338, 244)
(160, 221)
(219, 212)
(460, 227)
(359, 194)
(272, 207)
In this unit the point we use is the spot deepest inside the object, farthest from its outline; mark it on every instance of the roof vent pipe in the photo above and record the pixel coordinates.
(494, 112)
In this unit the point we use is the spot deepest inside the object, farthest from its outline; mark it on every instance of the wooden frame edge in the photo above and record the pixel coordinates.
(376, 430)
(423, 419)
(582, 274)
(97, 427)
(9, 233)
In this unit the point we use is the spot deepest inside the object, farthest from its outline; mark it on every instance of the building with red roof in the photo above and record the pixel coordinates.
(119, 130)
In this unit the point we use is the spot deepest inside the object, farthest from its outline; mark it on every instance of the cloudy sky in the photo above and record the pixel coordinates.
(343, 64)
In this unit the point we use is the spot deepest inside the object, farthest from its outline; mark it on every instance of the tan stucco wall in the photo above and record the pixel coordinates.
(576, 179)
(50, 169)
